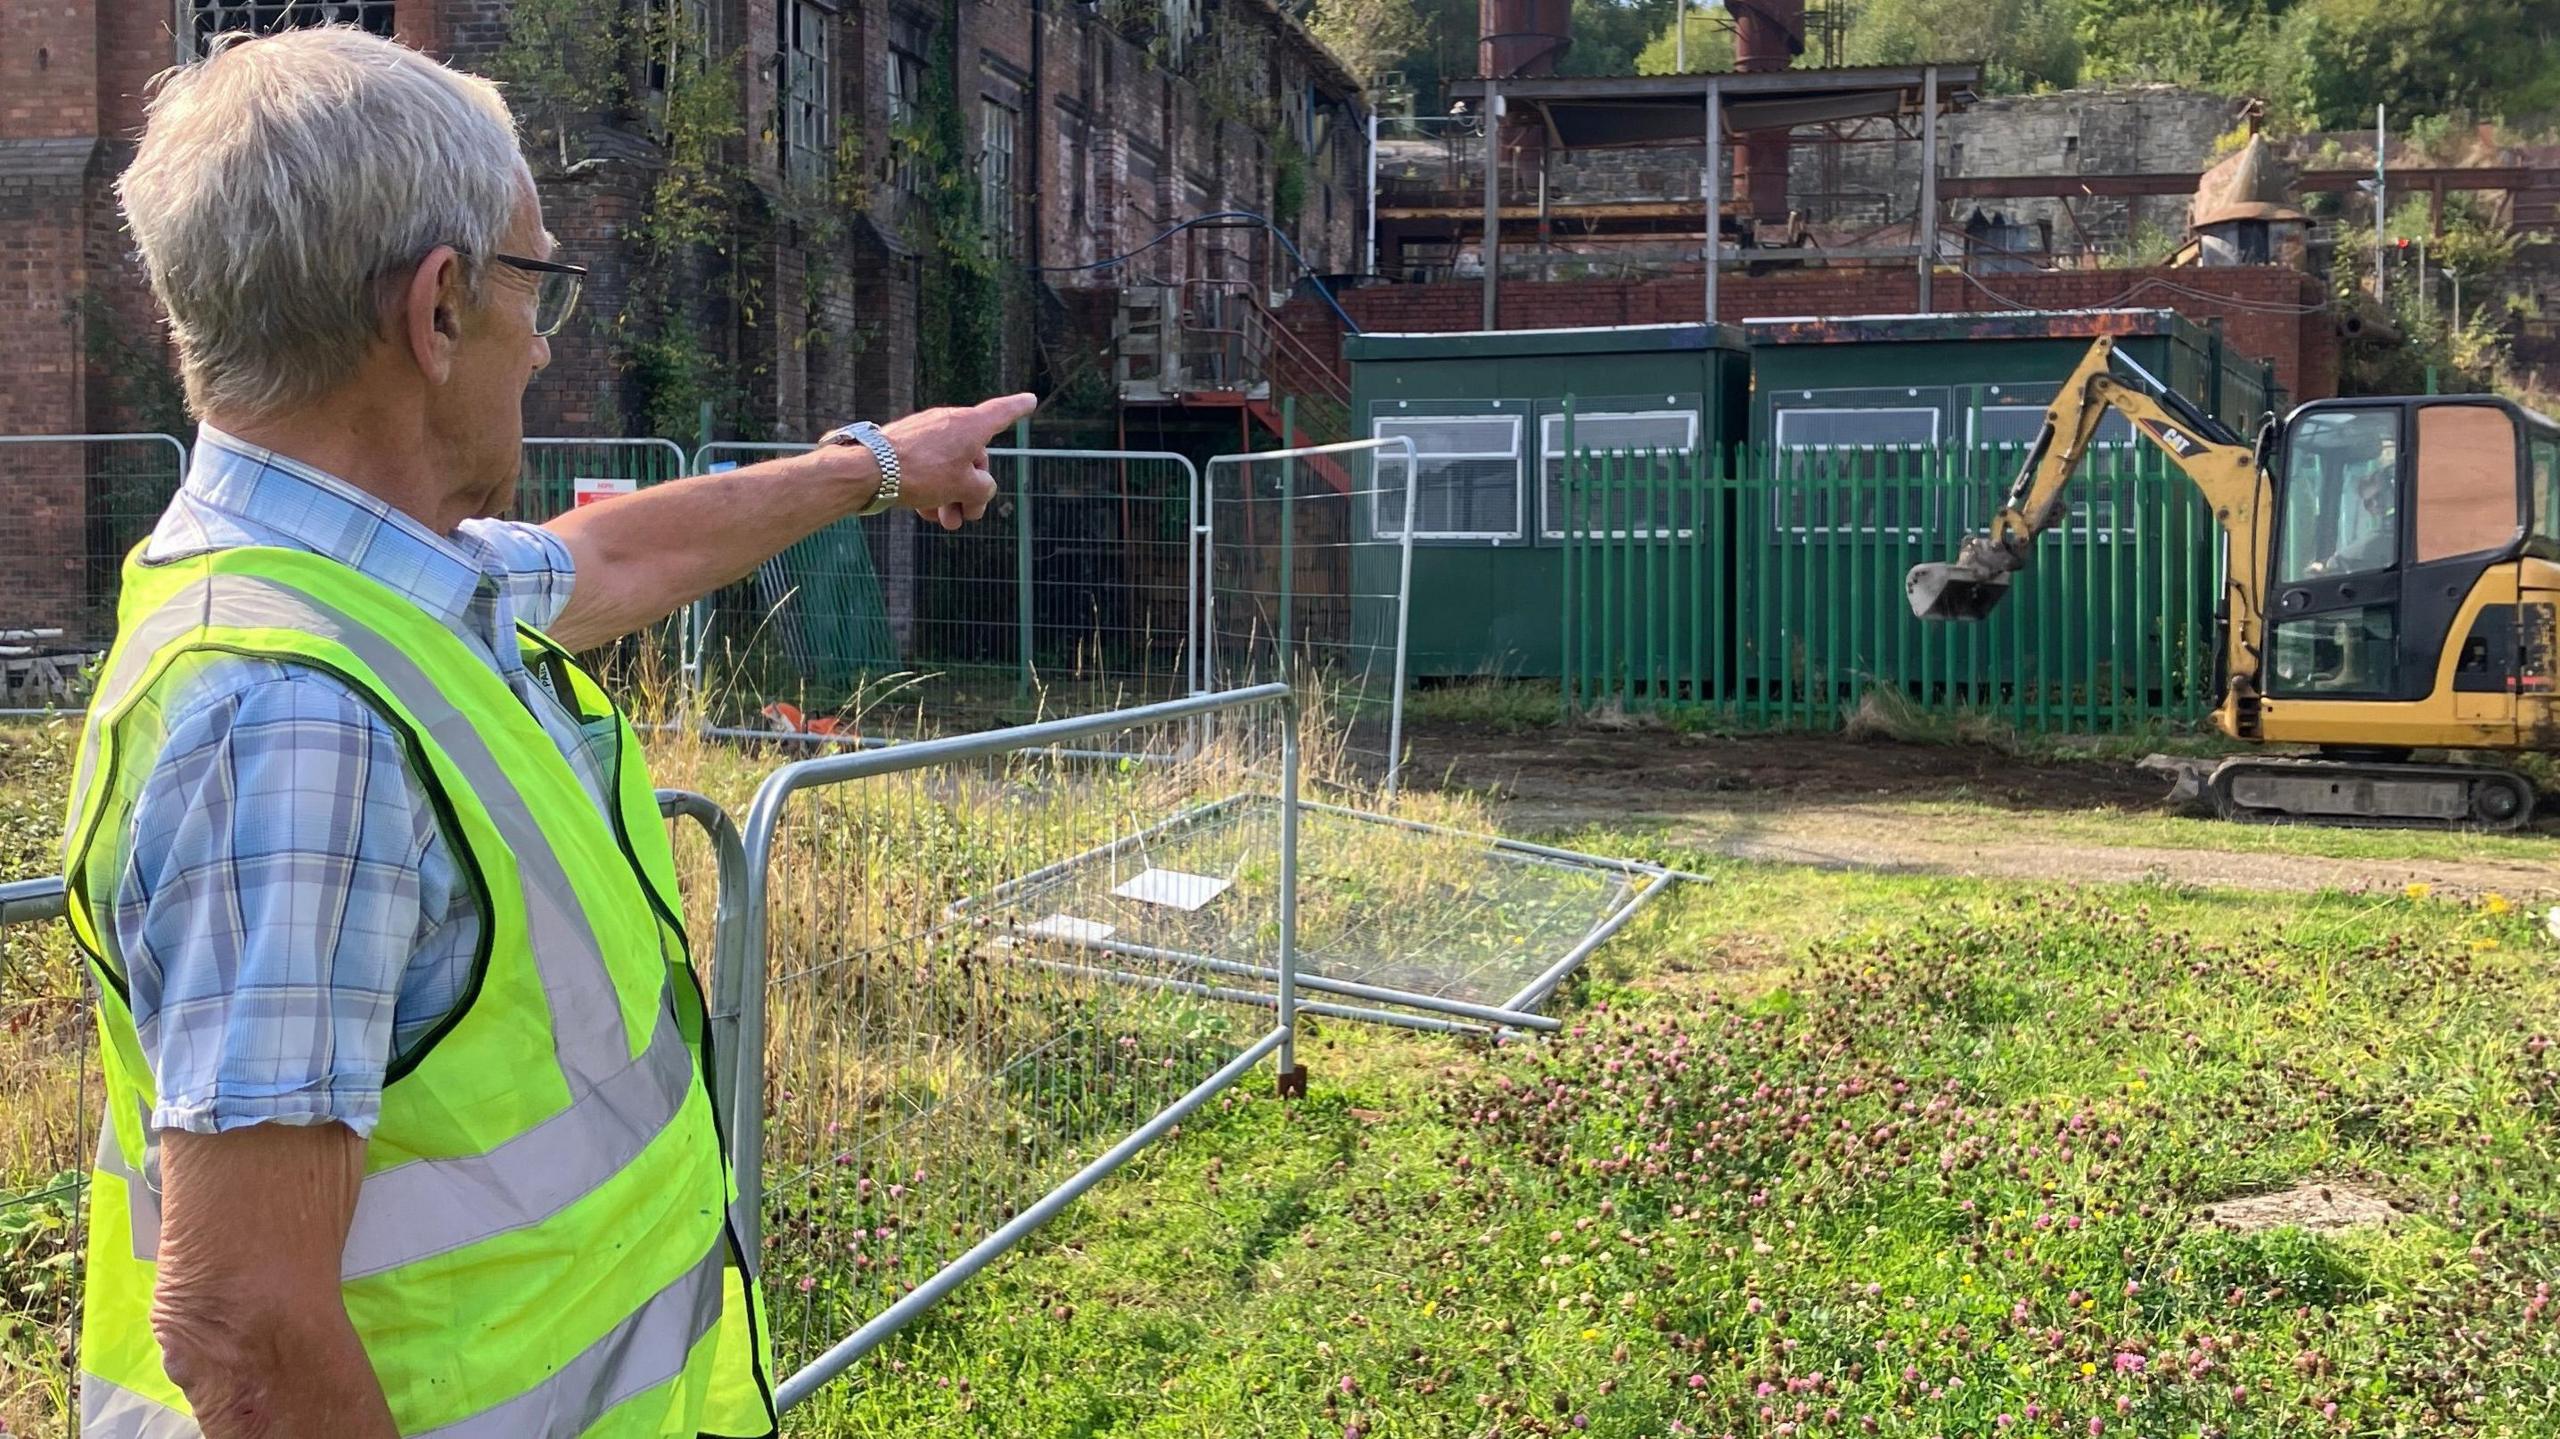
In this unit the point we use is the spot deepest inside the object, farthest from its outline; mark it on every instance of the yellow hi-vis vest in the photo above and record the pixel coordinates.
(541, 1245)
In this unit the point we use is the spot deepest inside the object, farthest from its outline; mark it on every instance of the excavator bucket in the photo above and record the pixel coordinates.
(1955, 591)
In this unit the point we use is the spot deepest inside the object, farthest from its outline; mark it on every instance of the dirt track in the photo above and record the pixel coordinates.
(1829, 801)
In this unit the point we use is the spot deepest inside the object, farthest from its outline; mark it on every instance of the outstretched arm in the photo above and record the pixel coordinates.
(641, 556)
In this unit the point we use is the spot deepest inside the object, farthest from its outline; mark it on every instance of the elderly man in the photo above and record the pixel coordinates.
(407, 1130)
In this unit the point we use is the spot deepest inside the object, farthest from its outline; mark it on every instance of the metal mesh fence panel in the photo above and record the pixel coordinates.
(78, 504)
(1075, 593)
(1310, 569)
(49, 1091)
(949, 1056)
(557, 474)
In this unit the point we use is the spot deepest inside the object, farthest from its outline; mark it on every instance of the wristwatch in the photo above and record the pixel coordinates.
(867, 435)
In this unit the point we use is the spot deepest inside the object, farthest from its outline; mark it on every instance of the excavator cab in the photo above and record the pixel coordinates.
(2392, 519)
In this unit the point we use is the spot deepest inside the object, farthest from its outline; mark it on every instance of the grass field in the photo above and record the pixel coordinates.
(1820, 1153)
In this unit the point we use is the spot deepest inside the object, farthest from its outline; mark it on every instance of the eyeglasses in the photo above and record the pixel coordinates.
(555, 293)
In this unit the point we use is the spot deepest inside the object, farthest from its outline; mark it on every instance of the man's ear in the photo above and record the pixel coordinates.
(429, 319)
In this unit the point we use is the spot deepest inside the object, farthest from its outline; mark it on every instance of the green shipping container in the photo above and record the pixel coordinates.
(1975, 380)
(1486, 412)
(1958, 398)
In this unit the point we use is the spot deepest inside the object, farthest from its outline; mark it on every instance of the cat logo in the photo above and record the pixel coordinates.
(2176, 441)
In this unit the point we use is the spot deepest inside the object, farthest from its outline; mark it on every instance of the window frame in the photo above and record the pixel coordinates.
(2283, 570)
(2542, 485)
(902, 94)
(2080, 503)
(1422, 459)
(997, 195)
(1551, 430)
(191, 32)
(806, 92)
(2415, 489)
(1782, 523)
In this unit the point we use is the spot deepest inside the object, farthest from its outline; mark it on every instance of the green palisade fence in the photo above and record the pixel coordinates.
(1768, 588)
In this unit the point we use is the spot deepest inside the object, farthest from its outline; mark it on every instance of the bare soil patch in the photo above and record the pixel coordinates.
(2316, 1206)
(1833, 802)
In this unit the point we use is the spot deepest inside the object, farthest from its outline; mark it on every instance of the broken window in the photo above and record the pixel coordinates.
(200, 20)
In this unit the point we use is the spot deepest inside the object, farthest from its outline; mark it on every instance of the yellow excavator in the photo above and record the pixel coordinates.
(2393, 570)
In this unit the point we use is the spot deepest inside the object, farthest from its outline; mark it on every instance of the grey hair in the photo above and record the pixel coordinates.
(284, 190)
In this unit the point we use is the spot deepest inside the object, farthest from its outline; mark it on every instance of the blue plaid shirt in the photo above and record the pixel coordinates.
(291, 916)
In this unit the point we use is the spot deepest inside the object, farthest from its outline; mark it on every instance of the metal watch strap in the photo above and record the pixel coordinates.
(868, 435)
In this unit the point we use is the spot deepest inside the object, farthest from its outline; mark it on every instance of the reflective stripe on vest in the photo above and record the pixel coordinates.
(608, 1114)
(614, 1368)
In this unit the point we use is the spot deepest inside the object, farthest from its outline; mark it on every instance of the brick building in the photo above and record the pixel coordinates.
(765, 191)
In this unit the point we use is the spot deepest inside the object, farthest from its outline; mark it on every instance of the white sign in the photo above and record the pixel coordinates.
(1071, 929)
(1173, 889)
(585, 492)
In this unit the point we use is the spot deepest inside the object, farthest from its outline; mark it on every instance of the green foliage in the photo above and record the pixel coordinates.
(561, 65)
(1706, 39)
(1368, 36)
(2324, 64)
(2235, 47)
(1608, 35)
(2482, 56)
(960, 295)
(39, 1260)
(2024, 44)
(690, 219)
(137, 371)
(1290, 168)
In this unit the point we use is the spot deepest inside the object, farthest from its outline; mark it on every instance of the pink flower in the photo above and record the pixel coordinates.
(2129, 1363)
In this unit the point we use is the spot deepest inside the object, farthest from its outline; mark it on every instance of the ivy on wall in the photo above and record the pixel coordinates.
(140, 384)
(960, 290)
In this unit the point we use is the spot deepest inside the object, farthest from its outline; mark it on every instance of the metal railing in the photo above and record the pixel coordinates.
(1768, 586)
(77, 505)
(931, 1059)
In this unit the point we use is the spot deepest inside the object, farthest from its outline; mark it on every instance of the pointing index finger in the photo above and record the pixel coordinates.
(1000, 413)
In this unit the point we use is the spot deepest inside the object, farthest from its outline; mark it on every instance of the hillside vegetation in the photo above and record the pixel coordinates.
(2317, 64)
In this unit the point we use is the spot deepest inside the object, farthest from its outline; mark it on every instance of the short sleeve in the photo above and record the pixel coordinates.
(530, 564)
(270, 907)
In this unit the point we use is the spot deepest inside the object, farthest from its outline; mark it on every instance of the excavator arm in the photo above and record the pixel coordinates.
(2222, 466)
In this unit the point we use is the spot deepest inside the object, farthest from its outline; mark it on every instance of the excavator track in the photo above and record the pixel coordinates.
(2369, 795)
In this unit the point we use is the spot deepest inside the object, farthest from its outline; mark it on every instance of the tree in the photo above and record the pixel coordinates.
(2486, 57)
(1708, 45)
(1370, 37)
(1609, 36)
(2219, 45)
(2023, 44)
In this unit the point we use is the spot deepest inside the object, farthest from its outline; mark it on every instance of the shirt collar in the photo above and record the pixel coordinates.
(302, 507)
